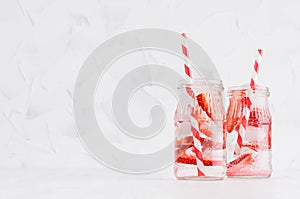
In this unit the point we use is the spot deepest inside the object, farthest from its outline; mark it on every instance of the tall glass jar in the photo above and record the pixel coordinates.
(248, 126)
(200, 137)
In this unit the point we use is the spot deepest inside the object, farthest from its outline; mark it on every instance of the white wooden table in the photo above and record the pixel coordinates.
(105, 183)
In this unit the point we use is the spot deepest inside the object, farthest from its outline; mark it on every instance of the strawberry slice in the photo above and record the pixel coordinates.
(254, 118)
(204, 101)
(180, 151)
(258, 116)
(224, 135)
(187, 140)
(186, 159)
(270, 136)
(253, 146)
(233, 114)
(212, 162)
(183, 144)
(203, 128)
(256, 146)
(247, 102)
(243, 159)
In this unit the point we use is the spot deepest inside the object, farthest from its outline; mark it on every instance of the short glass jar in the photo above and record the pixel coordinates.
(199, 131)
(249, 132)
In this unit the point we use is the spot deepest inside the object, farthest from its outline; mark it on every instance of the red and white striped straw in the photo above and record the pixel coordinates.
(253, 83)
(256, 67)
(239, 145)
(194, 122)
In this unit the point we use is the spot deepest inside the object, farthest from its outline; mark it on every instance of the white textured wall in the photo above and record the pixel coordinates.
(43, 43)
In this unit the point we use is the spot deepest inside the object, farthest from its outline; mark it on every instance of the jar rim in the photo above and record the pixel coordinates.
(247, 89)
(199, 79)
(198, 82)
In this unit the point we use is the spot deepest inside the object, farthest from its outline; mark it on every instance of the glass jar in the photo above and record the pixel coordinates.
(199, 133)
(248, 127)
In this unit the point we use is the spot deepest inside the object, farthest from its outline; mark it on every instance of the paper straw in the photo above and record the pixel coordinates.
(194, 122)
(247, 102)
(256, 67)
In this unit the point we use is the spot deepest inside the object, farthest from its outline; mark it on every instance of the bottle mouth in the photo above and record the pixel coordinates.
(201, 83)
(246, 90)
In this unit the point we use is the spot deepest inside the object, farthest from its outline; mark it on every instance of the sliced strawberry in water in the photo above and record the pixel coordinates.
(243, 159)
(233, 114)
(181, 150)
(186, 159)
(205, 130)
(190, 92)
(258, 117)
(254, 118)
(253, 146)
(270, 137)
(224, 136)
(212, 162)
(237, 128)
(244, 121)
(204, 101)
(247, 102)
(187, 140)
(211, 145)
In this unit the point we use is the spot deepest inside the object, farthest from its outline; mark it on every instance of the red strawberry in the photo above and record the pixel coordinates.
(254, 118)
(212, 162)
(181, 151)
(190, 92)
(233, 114)
(270, 136)
(204, 101)
(224, 135)
(244, 121)
(243, 159)
(256, 146)
(237, 128)
(186, 159)
(253, 146)
(183, 144)
(205, 130)
(259, 116)
(187, 140)
(211, 145)
(247, 102)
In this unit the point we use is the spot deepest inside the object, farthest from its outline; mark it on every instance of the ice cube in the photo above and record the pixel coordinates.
(256, 134)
